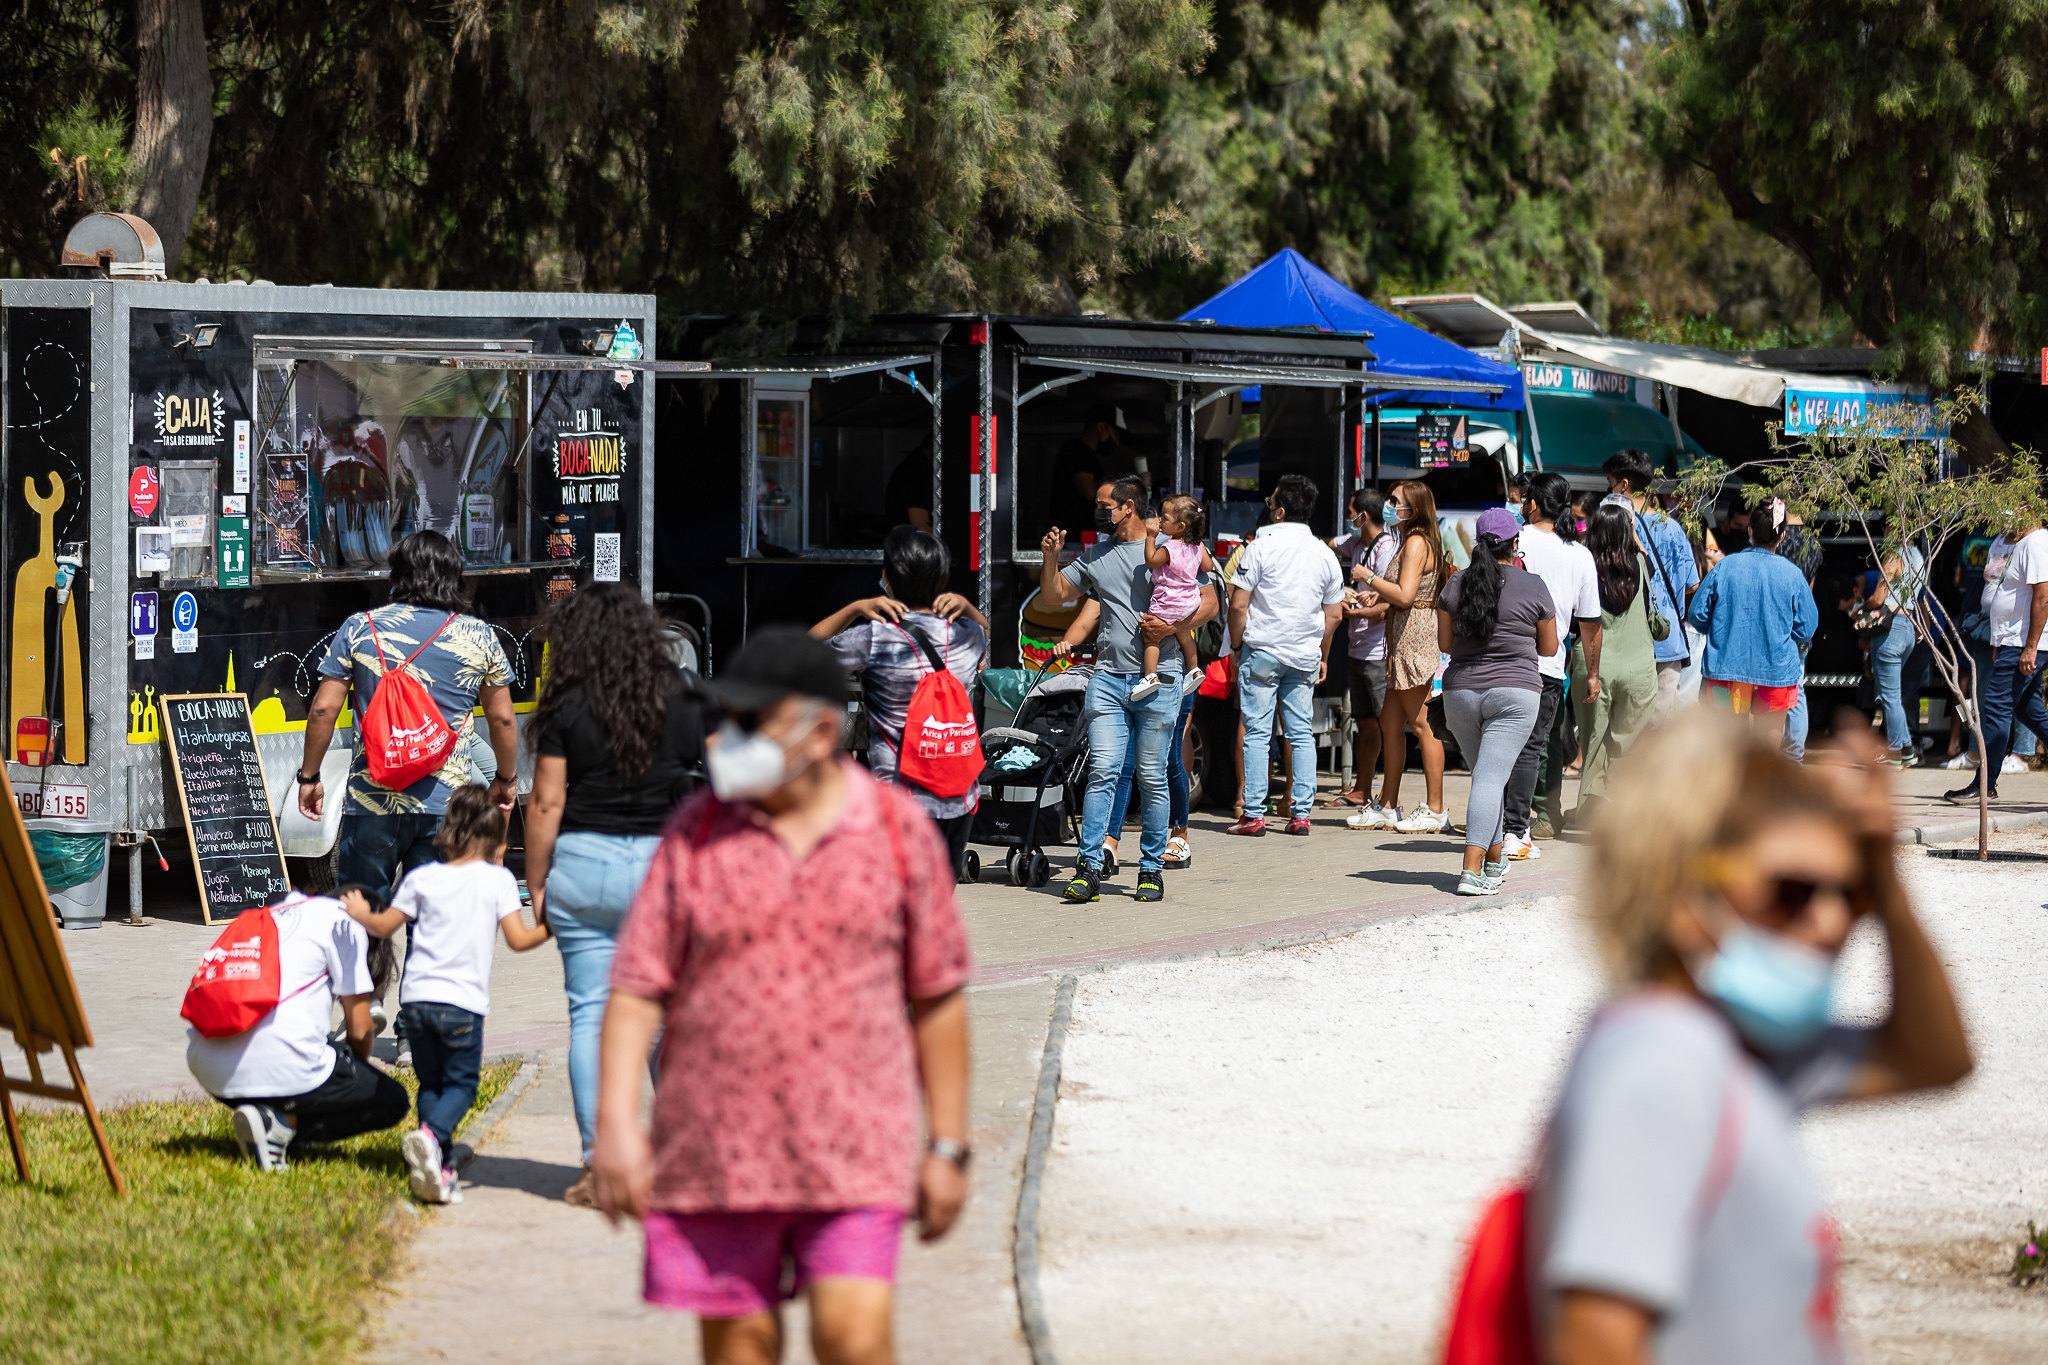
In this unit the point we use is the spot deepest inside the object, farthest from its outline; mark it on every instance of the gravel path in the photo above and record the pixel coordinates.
(1275, 1157)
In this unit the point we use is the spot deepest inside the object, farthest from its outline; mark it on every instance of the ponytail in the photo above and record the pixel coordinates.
(1479, 591)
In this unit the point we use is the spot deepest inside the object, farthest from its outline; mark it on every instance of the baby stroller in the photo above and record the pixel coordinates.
(1035, 776)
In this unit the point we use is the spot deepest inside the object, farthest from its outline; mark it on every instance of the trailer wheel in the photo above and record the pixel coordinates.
(316, 874)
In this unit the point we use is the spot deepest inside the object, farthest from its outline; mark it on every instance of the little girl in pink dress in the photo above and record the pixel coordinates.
(1177, 558)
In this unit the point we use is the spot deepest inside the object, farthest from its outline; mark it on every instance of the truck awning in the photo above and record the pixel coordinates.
(447, 353)
(816, 366)
(1246, 375)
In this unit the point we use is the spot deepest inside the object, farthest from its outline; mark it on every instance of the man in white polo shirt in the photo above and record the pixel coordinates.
(1285, 603)
(1574, 583)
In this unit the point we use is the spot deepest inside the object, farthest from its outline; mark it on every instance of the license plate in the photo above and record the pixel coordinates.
(58, 801)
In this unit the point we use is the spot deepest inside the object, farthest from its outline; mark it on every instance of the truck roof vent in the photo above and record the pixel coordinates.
(119, 246)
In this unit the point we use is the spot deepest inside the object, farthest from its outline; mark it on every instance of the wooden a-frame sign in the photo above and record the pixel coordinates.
(39, 1001)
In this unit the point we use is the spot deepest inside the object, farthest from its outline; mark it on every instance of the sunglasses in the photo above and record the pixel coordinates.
(1783, 900)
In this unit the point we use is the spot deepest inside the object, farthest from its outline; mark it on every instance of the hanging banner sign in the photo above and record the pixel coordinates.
(1898, 414)
(1578, 379)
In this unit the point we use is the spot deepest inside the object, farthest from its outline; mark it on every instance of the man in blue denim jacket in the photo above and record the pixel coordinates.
(1755, 609)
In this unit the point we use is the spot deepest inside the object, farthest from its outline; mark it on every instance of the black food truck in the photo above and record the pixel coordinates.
(229, 465)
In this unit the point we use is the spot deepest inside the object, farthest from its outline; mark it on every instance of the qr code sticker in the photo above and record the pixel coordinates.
(605, 561)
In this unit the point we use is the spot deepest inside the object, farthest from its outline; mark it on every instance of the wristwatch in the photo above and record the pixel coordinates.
(305, 781)
(959, 1153)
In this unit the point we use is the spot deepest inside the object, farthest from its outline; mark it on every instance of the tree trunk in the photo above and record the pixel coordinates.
(173, 118)
(1979, 442)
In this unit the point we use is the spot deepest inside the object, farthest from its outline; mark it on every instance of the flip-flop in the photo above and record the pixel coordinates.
(1344, 799)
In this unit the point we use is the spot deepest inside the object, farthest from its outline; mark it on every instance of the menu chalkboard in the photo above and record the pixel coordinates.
(235, 847)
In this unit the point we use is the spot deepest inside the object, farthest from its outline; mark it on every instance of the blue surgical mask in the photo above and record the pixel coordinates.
(1390, 512)
(1516, 508)
(1775, 990)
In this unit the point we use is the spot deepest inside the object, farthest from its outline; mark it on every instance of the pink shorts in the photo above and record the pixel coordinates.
(731, 1265)
(1744, 698)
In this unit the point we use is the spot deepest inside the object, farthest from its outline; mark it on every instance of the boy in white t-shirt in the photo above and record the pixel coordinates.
(284, 1078)
(457, 908)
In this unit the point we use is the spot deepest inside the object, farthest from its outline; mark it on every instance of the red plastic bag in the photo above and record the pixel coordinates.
(1491, 1322)
(1218, 678)
(941, 749)
(237, 982)
(405, 737)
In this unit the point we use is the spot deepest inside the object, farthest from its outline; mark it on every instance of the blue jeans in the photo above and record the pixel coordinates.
(591, 885)
(378, 850)
(2005, 689)
(1117, 725)
(448, 1057)
(1262, 682)
(1888, 660)
(1798, 719)
(1176, 776)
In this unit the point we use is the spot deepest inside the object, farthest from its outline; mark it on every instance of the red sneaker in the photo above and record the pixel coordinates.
(1253, 825)
(1299, 825)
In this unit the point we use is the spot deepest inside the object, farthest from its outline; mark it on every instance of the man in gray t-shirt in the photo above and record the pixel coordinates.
(1114, 574)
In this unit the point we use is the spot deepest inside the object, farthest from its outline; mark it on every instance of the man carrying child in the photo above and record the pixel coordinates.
(797, 938)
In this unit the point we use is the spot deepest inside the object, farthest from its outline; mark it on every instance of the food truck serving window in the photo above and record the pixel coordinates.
(841, 455)
(357, 454)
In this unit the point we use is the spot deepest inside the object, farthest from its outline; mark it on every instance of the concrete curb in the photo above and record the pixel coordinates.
(480, 1129)
(1024, 1249)
(1950, 830)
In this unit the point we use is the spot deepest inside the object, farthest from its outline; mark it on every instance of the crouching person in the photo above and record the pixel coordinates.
(286, 1081)
(797, 934)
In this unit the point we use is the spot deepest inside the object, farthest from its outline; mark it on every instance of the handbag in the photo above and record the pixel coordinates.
(1660, 628)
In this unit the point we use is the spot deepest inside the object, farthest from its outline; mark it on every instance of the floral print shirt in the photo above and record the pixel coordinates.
(462, 661)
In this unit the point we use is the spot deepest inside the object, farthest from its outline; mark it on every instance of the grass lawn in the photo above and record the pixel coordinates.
(208, 1259)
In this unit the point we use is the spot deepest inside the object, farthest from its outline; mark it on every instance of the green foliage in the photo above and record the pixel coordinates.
(1399, 143)
(1896, 148)
(1696, 329)
(207, 1259)
(101, 139)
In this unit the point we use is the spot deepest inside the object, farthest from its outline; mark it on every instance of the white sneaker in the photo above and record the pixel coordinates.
(451, 1185)
(1424, 821)
(422, 1153)
(1145, 687)
(1515, 848)
(1372, 815)
(262, 1134)
(2013, 764)
(1965, 759)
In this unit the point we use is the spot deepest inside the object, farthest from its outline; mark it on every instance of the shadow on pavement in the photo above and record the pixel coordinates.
(1393, 876)
(548, 1179)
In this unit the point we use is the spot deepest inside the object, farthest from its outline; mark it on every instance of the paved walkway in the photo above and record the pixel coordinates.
(957, 1302)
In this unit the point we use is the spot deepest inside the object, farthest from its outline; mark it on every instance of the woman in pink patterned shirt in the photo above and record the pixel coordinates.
(789, 916)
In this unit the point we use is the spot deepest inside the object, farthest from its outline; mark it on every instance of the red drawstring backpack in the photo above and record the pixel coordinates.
(941, 749)
(1493, 1320)
(239, 977)
(404, 734)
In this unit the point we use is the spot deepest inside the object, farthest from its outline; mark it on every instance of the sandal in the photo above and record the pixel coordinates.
(1345, 799)
(1178, 852)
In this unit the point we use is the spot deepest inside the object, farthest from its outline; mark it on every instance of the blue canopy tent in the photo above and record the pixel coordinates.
(1292, 291)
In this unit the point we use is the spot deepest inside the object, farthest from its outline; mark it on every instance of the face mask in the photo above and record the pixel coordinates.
(1105, 519)
(1390, 510)
(744, 766)
(1774, 989)
(1520, 520)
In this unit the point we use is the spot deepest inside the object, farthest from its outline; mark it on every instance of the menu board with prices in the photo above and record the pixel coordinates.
(219, 773)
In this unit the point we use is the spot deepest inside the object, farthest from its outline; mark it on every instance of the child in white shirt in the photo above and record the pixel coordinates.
(457, 908)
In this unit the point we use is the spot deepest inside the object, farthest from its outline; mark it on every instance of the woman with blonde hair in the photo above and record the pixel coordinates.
(1412, 656)
(1673, 1217)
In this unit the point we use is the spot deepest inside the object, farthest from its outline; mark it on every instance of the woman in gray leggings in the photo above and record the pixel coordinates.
(1494, 619)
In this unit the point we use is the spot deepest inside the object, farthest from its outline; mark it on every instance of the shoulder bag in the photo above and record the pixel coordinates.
(1660, 628)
